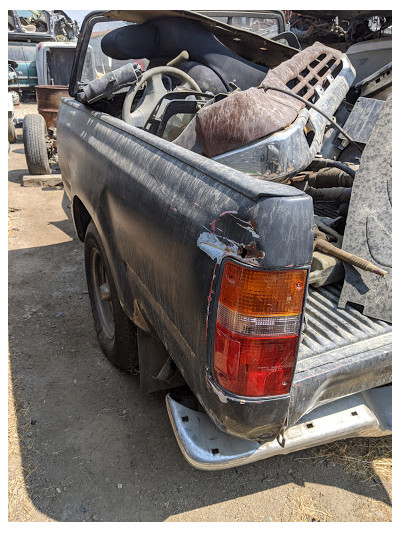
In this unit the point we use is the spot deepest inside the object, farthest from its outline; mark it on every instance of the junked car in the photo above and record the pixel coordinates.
(27, 25)
(26, 28)
(340, 29)
(234, 209)
(54, 63)
(24, 55)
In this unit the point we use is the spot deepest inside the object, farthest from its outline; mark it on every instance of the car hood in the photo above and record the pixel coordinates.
(248, 45)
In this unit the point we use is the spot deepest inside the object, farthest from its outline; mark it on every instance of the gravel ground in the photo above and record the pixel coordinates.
(86, 445)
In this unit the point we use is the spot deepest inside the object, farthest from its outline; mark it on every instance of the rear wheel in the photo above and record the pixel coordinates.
(34, 134)
(116, 334)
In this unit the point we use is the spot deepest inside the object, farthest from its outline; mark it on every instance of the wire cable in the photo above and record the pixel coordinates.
(336, 164)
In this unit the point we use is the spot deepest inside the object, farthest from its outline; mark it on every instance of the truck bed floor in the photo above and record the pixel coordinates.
(342, 352)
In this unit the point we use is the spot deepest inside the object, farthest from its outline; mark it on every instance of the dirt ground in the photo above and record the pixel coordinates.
(86, 445)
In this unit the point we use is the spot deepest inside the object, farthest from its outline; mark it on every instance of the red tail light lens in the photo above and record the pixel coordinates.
(257, 330)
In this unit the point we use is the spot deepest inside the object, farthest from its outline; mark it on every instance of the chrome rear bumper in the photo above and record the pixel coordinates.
(204, 446)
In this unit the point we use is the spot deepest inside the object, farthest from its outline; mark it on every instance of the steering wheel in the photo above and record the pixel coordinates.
(153, 93)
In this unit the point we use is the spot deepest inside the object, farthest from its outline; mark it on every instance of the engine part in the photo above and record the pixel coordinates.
(331, 120)
(332, 194)
(322, 245)
(250, 115)
(105, 86)
(330, 177)
(283, 154)
(321, 162)
(327, 226)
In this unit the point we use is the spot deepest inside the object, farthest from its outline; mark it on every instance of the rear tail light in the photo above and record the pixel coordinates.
(257, 329)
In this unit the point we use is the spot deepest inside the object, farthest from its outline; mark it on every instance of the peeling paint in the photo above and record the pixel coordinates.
(215, 248)
(251, 230)
(247, 225)
(249, 251)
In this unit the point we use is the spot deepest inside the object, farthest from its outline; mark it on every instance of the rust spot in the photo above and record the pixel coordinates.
(252, 224)
(249, 251)
(48, 99)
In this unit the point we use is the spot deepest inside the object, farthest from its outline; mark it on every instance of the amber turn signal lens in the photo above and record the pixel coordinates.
(262, 293)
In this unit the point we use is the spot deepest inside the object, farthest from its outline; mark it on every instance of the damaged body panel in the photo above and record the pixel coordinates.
(167, 261)
(207, 232)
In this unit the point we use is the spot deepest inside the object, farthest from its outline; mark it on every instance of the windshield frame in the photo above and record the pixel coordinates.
(265, 51)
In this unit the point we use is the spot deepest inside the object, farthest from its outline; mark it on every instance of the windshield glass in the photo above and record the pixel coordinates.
(28, 14)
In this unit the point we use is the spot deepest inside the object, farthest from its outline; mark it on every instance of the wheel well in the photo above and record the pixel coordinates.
(81, 217)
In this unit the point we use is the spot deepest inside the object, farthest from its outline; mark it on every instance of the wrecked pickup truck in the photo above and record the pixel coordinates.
(235, 211)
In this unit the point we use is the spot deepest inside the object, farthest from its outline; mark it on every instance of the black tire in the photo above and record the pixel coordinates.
(12, 136)
(116, 334)
(34, 134)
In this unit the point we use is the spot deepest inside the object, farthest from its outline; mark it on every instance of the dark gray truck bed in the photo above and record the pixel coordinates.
(170, 219)
(340, 348)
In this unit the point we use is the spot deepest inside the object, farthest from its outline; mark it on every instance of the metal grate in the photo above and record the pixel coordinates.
(321, 71)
